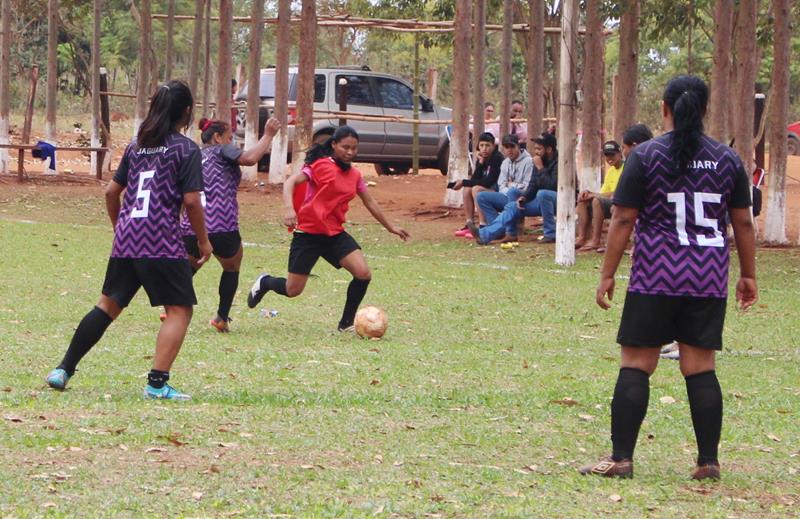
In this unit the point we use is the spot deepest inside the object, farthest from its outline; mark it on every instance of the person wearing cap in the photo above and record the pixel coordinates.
(515, 174)
(593, 208)
(538, 199)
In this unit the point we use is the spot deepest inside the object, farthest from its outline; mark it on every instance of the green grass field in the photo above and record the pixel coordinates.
(459, 411)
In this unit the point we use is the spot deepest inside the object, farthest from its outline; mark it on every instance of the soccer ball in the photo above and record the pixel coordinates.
(371, 322)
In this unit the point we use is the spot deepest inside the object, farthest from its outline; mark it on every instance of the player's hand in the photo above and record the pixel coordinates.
(746, 293)
(205, 251)
(272, 126)
(290, 219)
(402, 233)
(537, 162)
(606, 286)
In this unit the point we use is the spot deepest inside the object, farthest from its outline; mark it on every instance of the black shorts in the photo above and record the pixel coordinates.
(307, 248)
(652, 321)
(606, 203)
(225, 244)
(166, 281)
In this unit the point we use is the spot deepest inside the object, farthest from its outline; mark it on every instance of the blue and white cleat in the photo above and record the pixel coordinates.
(58, 378)
(165, 393)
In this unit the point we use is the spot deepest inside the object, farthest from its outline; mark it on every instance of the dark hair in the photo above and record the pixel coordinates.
(686, 97)
(487, 104)
(517, 102)
(233, 82)
(325, 149)
(486, 137)
(167, 110)
(210, 127)
(637, 134)
(510, 140)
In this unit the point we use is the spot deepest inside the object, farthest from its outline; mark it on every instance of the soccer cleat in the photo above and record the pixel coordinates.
(671, 351)
(165, 393)
(609, 468)
(256, 294)
(58, 378)
(221, 325)
(348, 329)
(707, 471)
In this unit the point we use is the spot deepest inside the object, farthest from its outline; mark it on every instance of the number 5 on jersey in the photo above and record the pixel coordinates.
(143, 195)
(679, 199)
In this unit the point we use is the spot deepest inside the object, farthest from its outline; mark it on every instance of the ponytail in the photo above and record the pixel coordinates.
(325, 149)
(687, 98)
(167, 110)
(210, 127)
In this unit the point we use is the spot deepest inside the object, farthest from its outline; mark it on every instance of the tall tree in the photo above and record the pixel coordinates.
(194, 60)
(207, 59)
(479, 71)
(775, 230)
(96, 164)
(458, 163)
(304, 127)
(592, 98)
(254, 83)
(626, 80)
(534, 59)
(746, 69)
(506, 55)
(5, 65)
(225, 63)
(143, 71)
(170, 40)
(280, 143)
(721, 72)
(51, 102)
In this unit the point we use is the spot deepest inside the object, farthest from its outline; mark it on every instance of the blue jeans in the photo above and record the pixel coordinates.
(492, 202)
(543, 205)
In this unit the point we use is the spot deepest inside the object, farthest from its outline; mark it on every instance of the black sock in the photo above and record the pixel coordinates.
(89, 331)
(705, 402)
(228, 283)
(628, 409)
(157, 378)
(355, 293)
(277, 285)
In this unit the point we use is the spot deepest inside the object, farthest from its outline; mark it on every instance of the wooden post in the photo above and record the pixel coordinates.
(105, 117)
(26, 129)
(479, 67)
(304, 127)
(207, 56)
(342, 100)
(758, 115)
(5, 46)
(97, 160)
(251, 128)
(280, 143)
(169, 58)
(592, 163)
(775, 229)
(416, 101)
(625, 99)
(143, 70)
(194, 60)
(506, 53)
(433, 83)
(225, 63)
(746, 70)
(567, 125)
(721, 71)
(535, 62)
(458, 163)
(52, 72)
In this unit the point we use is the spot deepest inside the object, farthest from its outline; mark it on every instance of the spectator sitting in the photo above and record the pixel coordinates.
(515, 128)
(515, 174)
(487, 171)
(539, 199)
(593, 208)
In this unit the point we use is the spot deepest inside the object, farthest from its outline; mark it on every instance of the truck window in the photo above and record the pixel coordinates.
(395, 94)
(359, 91)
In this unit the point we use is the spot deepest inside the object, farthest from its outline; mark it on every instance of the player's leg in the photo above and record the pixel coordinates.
(228, 251)
(303, 255)
(355, 264)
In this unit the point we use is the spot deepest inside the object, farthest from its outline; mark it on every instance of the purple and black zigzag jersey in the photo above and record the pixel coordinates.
(221, 177)
(681, 248)
(155, 180)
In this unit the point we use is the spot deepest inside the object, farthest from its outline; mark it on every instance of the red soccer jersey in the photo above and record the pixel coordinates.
(328, 196)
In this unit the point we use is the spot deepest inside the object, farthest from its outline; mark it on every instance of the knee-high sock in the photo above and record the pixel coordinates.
(277, 285)
(355, 294)
(628, 409)
(705, 402)
(89, 331)
(228, 283)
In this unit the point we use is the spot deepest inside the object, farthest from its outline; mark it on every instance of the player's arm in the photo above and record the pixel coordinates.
(252, 155)
(193, 204)
(745, 236)
(289, 215)
(619, 232)
(113, 203)
(375, 210)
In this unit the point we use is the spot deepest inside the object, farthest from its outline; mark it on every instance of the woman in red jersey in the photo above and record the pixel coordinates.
(318, 223)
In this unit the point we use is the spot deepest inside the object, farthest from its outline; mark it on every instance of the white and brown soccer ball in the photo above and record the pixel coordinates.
(371, 322)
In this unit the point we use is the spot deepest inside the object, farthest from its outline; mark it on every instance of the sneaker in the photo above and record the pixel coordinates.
(475, 232)
(609, 468)
(220, 324)
(256, 294)
(671, 351)
(708, 471)
(462, 233)
(165, 393)
(58, 378)
(348, 329)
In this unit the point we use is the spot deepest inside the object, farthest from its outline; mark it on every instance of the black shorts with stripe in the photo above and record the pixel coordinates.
(166, 281)
(307, 248)
(225, 244)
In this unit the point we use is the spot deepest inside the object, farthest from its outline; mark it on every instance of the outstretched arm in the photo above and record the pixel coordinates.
(619, 232)
(374, 209)
(251, 156)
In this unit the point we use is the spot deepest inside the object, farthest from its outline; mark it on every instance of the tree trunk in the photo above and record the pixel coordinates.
(775, 230)
(592, 99)
(207, 57)
(97, 159)
(253, 85)
(534, 60)
(506, 53)
(280, 144)
(479, 61)
(170, 31)
(555, 55)
(195, 57)
(567, 126)
(625, 98)
(304, 127)
(143, 69)
(225, 62)
(458, 163)
(721, 71)
(5, 48)
(52, 72)
(744, 95)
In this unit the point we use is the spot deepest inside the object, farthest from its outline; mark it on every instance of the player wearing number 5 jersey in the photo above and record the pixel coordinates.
(159, 172)
(681, 190)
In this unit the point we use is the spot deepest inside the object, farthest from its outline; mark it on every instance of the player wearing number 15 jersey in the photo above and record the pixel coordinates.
(159, 172)
(682, 190)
